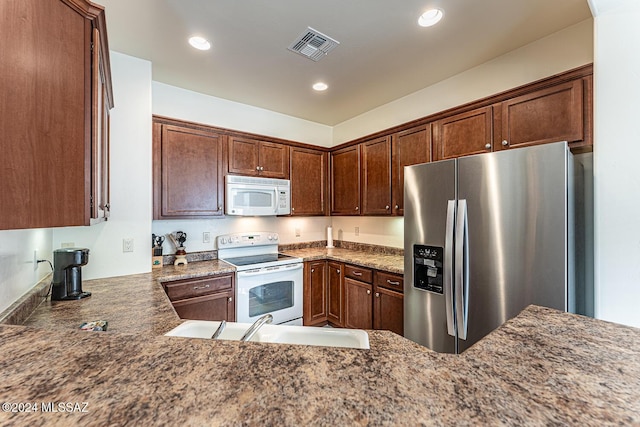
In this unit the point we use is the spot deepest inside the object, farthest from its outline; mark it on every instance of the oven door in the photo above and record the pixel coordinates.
(273, 290)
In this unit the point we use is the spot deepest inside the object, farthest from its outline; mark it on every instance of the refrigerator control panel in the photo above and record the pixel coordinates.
(428, 268)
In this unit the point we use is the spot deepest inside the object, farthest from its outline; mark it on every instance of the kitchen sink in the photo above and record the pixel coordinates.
(283, 334)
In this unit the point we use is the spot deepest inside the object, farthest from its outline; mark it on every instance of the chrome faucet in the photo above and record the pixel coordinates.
(218, 331)
(267, 318)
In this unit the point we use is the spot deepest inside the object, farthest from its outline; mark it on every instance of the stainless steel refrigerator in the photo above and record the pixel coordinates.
(485, 236)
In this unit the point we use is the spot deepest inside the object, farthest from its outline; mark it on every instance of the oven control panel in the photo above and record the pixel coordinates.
(240, 240)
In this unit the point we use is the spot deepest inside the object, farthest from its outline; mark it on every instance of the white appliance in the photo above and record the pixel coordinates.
(267, 282)
(251, 196)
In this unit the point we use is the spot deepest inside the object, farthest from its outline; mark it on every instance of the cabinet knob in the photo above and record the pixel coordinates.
(338, 271)
(377, 294)
(230, 299)
(257, 168)
(357, 208)
(313, 269)
(293, 209)
(387, 207)
(505, 142)
(488, 146)
(368, 292)
(397, 207)
(261, 168)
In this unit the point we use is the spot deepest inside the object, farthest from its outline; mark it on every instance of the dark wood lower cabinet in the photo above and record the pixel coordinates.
(315, 301)
(204, 298)
(388, 310)
(358, 312)
(335, 293)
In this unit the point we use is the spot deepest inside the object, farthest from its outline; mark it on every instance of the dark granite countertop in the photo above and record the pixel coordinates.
(379, 261)
(541, 368)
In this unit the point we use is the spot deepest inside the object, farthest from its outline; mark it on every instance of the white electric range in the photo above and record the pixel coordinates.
(266, 281)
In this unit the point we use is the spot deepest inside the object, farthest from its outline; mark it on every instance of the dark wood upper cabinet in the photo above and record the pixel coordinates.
(309, 181)
(55, 95)
(345, 181)
(258, 158)
(376, 176)
(188, 180)
(409, 147)
(463, 134)
(548, 115)
(315, 293)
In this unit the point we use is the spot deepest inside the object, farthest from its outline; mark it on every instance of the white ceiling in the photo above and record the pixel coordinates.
(383, 53)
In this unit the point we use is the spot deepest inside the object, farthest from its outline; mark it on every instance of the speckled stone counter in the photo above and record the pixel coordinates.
(131, 304)
(541, 368)
(378, 261)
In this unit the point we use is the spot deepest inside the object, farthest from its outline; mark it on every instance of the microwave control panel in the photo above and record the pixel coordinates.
(428, 268)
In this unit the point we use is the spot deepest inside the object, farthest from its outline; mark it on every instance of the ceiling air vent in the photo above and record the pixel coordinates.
(313, 44)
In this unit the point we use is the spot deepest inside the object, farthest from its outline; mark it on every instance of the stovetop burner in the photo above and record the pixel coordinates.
(257, 259)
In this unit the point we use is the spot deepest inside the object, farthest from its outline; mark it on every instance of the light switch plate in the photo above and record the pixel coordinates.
(206, 237)
(127, 245)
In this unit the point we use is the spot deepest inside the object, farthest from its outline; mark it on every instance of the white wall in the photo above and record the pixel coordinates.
(616, 151)
(562, 51)
(17, 271)
(184, 104)
(382, 231)
(130, 179)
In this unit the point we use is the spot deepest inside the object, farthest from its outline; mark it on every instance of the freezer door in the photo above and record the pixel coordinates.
(517, 233)
(428, 190)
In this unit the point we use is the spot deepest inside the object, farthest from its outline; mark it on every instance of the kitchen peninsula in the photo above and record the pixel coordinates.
(543, 367)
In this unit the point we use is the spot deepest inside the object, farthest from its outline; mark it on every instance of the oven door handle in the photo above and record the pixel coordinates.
(267, 270)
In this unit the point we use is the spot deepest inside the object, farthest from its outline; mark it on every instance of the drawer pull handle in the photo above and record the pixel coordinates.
(391, 282)
(195, 288)
(357, 273)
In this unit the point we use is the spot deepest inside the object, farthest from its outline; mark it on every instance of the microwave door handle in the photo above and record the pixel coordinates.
(275, 199)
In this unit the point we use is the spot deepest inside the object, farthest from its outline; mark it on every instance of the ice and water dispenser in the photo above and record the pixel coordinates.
(428, 268)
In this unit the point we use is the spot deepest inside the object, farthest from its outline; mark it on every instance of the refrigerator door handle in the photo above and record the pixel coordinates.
(448, 266)
(462, 269)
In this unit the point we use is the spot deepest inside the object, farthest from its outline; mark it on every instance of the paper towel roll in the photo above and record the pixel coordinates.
(329, 237)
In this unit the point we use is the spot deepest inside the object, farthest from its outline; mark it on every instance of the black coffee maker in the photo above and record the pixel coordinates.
(67, 273)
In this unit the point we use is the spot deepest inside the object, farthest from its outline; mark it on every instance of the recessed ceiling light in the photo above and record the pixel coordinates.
(430, 17)
(199, 43)
(320, 86)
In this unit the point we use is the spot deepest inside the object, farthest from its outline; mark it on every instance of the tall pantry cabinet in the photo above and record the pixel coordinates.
(55, 97)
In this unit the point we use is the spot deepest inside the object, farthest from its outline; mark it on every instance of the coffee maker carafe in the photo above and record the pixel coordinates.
(67, 273)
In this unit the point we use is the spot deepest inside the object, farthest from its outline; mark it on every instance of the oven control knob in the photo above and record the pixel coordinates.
(223, 240)
(275, 237)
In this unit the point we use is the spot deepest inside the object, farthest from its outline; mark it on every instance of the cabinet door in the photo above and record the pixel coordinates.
(273, 160)
(190, 182)
(308, 181)
(335, 293)
(388, 310)
(410, 147)
(217, 306)
(243, 156)
(376, 176)
(548, 115)
(345, 181)
(315, 293)
(463, 134)
(358, 304)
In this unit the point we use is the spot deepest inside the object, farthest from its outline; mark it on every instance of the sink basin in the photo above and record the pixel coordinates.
(283, 334)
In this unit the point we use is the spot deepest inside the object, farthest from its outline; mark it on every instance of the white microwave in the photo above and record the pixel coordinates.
(250, 196)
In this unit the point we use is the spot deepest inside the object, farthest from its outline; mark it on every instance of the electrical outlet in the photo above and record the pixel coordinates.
(68, 245)
(127, 245)
(206, 237)
(35, 260)
(357, 231)
(297, 232)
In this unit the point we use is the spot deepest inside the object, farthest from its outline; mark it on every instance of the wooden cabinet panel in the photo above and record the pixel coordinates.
(358, 273)
(345, 181)
(388, 310)
(410, 147)
(390, 281)
(315, 293)
(463, 134)
(376, 177)
(48, 113)
(187, 288)
(309, 183)
(548, 115)
(335, 292)
(358, 304)
(218, 306)
(187, 173)
(257, 158)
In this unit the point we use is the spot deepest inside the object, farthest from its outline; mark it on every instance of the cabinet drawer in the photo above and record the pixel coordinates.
(389, 281)
(358, 273)
(188, 288)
